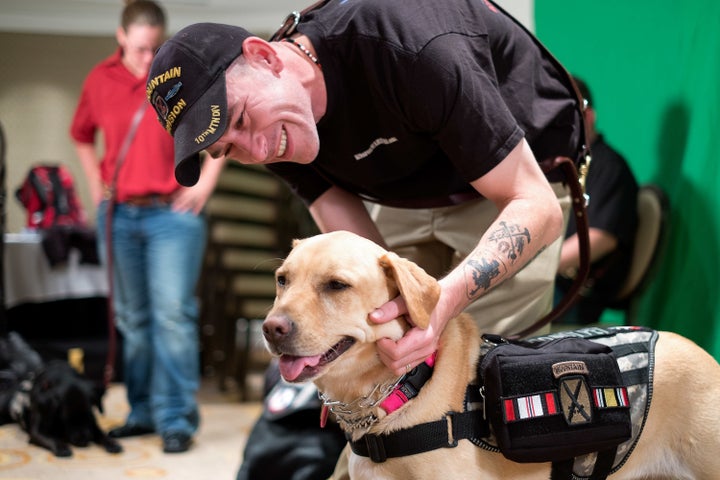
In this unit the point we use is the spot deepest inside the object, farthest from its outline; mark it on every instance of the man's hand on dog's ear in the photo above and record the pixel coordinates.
(390, 311)
(411, 350)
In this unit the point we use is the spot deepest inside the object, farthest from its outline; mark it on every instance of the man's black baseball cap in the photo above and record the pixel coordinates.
(186, 87)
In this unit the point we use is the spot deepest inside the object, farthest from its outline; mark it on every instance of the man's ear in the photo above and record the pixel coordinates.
(120, 36)
(260, 52)
(420, 291)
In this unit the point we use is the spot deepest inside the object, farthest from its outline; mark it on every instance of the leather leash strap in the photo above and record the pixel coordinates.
(577, 194)
(288, 26)
(109, 370)
(577, 190)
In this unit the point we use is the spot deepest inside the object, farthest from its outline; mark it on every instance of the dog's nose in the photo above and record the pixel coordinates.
(277, 328)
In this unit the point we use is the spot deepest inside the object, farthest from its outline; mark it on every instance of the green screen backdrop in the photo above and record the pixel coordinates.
(653, 67)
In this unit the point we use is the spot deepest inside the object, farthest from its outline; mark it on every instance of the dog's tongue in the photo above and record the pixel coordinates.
(291, 367)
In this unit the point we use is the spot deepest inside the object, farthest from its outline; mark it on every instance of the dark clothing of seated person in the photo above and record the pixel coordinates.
(612, 219)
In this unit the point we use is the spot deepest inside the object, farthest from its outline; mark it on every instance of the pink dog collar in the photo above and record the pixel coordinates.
(409, 386)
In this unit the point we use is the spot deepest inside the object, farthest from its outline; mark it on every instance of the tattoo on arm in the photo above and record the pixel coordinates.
(511, 240)
(480, 272)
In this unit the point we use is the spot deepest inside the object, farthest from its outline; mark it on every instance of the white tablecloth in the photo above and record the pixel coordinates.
(30, 278)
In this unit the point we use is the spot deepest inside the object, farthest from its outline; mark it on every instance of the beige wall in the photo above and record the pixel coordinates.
(40, 80)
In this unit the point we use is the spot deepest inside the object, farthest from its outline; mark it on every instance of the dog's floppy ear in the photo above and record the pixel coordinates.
(420, 291)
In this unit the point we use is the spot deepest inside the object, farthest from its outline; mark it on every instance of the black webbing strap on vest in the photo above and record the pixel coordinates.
(446, 433)
(421, 438)
(563, 470)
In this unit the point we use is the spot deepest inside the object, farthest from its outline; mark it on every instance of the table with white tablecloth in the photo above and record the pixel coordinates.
(29, 277)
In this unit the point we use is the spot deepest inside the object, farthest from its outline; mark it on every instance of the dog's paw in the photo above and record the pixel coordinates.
(57, 448)
(112, 446)
(79, 442)
(63, 451)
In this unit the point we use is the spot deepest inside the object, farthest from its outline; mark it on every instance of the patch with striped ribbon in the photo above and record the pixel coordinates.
(546, 403)
(531, 406)
(611, 397)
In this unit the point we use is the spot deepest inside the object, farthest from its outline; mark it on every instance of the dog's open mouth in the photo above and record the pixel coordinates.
(299, 369)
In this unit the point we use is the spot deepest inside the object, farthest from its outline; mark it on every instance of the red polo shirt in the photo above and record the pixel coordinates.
(110, 96)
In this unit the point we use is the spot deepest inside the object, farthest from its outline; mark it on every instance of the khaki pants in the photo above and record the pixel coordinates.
(437, 239)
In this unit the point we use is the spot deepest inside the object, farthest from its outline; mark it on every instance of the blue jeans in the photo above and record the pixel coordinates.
(157, 256)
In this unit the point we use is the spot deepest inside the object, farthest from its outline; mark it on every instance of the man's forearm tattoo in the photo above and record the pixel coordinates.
(511, 241)
(481, 272)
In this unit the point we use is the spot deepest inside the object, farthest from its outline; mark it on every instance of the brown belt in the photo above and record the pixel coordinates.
(150, 200)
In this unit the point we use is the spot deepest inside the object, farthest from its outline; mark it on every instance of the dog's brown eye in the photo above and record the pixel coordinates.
(281, 280)
(337, 285)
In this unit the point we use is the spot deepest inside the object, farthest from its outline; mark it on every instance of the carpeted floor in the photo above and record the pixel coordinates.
(216, 453)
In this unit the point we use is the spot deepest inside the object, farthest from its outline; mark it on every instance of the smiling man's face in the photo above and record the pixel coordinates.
(270, 118)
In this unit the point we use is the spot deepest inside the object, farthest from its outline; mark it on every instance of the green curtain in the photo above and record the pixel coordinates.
(653, 67)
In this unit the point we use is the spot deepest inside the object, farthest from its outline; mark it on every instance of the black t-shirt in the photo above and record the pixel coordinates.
(426, 96)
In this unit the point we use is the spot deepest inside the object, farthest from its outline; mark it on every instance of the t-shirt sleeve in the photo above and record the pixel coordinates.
(458, 101)
(84, 125)
(303, 180)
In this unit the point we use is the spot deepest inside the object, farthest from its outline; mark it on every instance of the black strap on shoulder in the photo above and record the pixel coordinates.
(39, 187)
(421, 438)
(291, 22)
(61, 202)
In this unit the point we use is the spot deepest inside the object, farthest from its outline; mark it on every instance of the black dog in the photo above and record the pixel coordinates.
(52, 402)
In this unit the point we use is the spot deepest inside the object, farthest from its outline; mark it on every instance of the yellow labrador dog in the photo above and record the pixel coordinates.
(318, 327)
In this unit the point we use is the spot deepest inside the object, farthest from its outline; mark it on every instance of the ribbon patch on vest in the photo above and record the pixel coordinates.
(531, 406)
(612, 397)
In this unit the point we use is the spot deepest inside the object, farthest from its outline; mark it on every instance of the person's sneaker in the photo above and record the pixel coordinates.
(129, 430)
(176, 442)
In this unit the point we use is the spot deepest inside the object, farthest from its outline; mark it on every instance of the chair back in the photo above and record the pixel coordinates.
(653, 207)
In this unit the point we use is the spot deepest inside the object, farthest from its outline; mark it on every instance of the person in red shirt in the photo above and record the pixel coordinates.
(155, 223)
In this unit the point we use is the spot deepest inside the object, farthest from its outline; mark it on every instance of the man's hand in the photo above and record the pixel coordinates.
(403, 355)
(190, 200)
